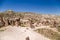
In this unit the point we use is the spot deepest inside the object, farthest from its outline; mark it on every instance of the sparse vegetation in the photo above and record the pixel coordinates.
(58, 28)
(49, 33)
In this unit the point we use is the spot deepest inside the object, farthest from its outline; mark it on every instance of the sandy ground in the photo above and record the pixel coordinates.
(20, 33)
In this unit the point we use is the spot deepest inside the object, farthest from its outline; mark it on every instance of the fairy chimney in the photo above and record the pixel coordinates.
(17, 21)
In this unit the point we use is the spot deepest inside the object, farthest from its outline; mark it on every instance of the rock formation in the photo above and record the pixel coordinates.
(27, 19)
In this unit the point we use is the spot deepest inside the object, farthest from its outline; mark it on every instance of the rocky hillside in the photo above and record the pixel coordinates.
(33, 20)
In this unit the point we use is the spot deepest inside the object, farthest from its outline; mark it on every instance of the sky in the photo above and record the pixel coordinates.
(37, 6)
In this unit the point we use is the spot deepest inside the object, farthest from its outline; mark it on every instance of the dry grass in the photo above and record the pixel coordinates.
(49, 33)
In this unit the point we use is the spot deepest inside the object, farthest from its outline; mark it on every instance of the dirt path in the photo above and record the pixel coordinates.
(20, 33)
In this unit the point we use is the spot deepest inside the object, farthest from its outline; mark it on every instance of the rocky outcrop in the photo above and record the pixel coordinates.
(28, 19)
